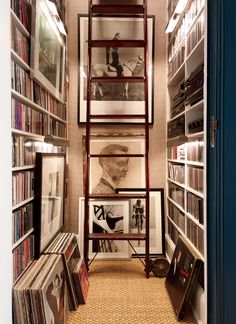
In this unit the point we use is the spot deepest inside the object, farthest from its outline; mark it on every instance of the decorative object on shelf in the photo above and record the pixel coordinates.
(112, 98)
(48, 50)
(182, 277)
(137, 219)
(49, 198)
(106, 217)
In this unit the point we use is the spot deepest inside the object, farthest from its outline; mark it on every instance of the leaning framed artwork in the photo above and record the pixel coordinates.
(48, 50)
(115, 98)
(106, 217)
(137, 217)
(108, 173)
(49, 198)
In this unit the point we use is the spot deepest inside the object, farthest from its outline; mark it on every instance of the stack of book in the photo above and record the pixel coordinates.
(177, 98)
(194, 86)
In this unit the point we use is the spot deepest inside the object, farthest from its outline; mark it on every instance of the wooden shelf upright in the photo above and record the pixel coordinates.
(120, 10)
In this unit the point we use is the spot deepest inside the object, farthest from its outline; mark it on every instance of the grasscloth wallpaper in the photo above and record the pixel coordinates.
(157, 131)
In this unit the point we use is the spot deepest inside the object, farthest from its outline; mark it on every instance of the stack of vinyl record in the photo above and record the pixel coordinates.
(66, 244)
(40, 294)
(194, 86)
(177, 97)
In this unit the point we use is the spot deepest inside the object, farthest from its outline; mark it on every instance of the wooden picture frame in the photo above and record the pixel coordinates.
(47, 50)
(156, 219)
(108, 98)
(49, 198)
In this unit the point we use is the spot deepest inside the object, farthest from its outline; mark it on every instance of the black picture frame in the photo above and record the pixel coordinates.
(158, 224)
(182, 276)
(49, 198)
(119, 105)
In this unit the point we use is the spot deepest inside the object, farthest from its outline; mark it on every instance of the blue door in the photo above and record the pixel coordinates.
(221, 165)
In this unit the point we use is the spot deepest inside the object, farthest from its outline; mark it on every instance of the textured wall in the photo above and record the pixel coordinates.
(157, 132)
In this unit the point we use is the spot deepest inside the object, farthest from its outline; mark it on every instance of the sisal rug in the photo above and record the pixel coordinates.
(120, 293)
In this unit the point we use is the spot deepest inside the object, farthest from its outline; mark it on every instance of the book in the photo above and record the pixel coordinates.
(182, 277)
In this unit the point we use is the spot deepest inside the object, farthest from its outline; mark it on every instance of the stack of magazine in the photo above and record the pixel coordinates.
(57, 279)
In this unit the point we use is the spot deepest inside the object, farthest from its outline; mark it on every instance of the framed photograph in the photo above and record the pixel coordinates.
(48, 50)
(137, 218)
(106, 173)
(49, 198)
(106, 217)
(115, 98)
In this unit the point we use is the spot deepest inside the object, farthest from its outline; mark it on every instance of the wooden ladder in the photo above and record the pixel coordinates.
(120, 10)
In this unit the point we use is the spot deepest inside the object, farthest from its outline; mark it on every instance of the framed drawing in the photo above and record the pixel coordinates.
(106, 217)
(49, 198)
(115, 98)
(106, 173)
(48, 50)
(156, 219)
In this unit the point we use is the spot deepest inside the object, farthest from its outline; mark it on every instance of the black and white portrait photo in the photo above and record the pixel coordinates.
(126, 97)
(109, 173)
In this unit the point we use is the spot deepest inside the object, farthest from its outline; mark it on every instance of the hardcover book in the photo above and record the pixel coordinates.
(182, 277)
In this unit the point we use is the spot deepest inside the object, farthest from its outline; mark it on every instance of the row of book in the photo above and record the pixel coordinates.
(176, 40)
(176, 61)
(22, 9)
(195, 151)
(177, 216)
(20, 81)
(173, 232)
(176, 152)
(192, 12)
(176, 193)
(22, 186)
(22, 220)
(20, 44)
(195, 34)
(23, 255)
(58, 280)
(176, 172)
(27, 119)
(24, 150)
(195, 207)
(195, 235)
(195, 178)
(57, 129)
(44, 99)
